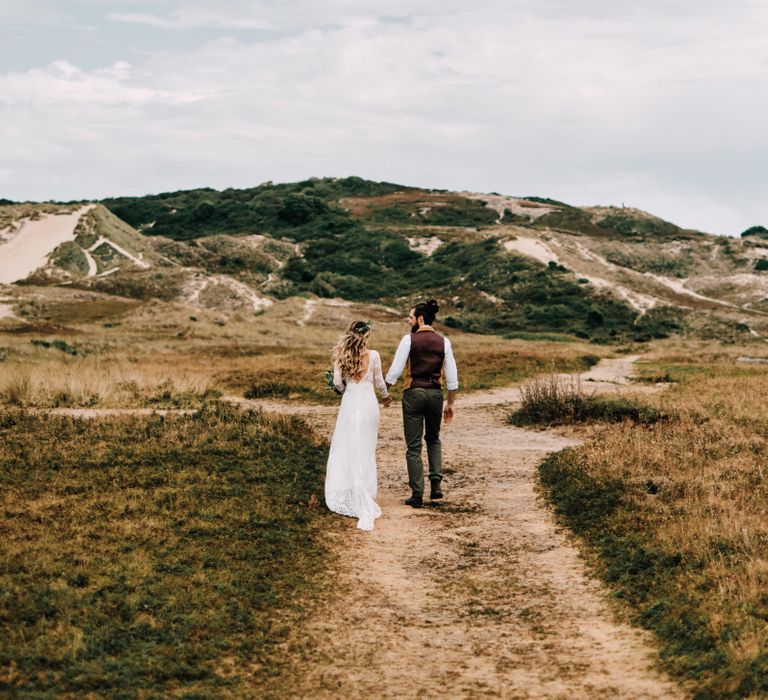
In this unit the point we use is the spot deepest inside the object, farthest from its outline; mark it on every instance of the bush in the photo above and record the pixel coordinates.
(554, 400)
(629, 227)
(272, 389)
(761, 265)
(57, 344)
(18, 390)
(300, 209)
(759, 231)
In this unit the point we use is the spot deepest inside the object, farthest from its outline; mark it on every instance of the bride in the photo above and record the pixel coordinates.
(350, 478)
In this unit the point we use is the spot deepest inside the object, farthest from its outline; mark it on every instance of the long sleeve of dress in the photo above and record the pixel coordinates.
(338, 382)
(378, 378)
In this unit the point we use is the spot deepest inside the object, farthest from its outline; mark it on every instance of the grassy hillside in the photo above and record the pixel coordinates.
(363, 241)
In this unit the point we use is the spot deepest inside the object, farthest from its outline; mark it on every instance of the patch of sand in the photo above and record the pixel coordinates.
(6, 310)
(424, 245)
(33, 243)
(520, 207)
(203, 291)
(533, 248)
(141, 264)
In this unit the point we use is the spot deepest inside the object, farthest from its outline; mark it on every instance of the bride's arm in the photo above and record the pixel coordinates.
(378, 378)
(338, 382)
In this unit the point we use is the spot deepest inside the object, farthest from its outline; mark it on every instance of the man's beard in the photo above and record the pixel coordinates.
(414, 328)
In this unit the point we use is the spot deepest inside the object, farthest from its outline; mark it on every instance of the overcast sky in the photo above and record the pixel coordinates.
(657, 104)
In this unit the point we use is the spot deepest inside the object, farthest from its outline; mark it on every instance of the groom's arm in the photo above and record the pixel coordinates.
(401, 359)
(451, 381)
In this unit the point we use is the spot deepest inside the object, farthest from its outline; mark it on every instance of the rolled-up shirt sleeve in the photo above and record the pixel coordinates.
(451, 371)
(401, 359)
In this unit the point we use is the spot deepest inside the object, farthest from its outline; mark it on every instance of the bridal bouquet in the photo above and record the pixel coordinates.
(329, 381)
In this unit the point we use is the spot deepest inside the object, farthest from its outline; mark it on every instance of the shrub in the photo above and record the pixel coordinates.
(555, 400)
(759, 231)
(18, 390)
(761, 265)
(57, 344)
(626, 226)
(70, 257)
(300, 209)
(273, 389)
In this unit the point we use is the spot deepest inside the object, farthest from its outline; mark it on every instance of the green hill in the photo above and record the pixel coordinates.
(370, 241)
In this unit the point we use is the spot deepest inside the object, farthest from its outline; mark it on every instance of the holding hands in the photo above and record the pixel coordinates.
(387, 400)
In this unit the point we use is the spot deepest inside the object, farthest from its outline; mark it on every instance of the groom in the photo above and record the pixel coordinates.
(426, 353)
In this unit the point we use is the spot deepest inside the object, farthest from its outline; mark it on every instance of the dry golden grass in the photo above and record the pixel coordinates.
(156, 354)
(10, 214)
(678, 515)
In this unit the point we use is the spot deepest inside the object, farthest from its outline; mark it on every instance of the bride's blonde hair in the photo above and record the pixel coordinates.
(349, 350)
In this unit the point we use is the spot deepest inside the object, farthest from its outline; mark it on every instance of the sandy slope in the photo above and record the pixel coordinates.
(30, 247)
(482, 596)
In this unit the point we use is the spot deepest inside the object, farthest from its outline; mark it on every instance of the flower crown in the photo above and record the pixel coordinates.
(362, 330)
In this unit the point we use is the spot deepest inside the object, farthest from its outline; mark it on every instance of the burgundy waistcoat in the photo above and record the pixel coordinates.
(426, 359)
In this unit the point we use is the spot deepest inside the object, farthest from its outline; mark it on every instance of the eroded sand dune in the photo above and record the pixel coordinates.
(30, 247)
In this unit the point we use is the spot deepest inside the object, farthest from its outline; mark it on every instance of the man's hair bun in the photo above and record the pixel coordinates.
(427, 309)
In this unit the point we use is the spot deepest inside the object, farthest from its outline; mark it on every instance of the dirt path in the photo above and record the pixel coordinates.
(483, 595)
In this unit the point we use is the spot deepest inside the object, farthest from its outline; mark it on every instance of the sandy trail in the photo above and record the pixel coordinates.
(30, 247)
(483, 595)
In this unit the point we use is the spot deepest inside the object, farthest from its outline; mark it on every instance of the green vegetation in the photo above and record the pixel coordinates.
(757, 231)
(276, 389)
(165, 395)
(458, 211)
(155, 556)
(62, 345)
(353, 244)
(618, 224)
(761, 265)
(542, 299)
(70, 257)
(570, 219)
(167, 285)
(189, 214)
(673, 265)
(547, 200)
(552, 400)
(639, 228)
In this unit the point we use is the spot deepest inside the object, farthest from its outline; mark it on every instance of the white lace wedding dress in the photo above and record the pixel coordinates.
(350, 477)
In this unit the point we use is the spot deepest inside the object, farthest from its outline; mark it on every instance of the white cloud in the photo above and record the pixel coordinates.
(656, 105)
(62, 82)
(188, 17)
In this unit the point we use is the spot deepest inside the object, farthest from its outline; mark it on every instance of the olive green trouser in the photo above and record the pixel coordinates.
(422, 414)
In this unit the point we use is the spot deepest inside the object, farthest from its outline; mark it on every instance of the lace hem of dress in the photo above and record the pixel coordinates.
(355, 504)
